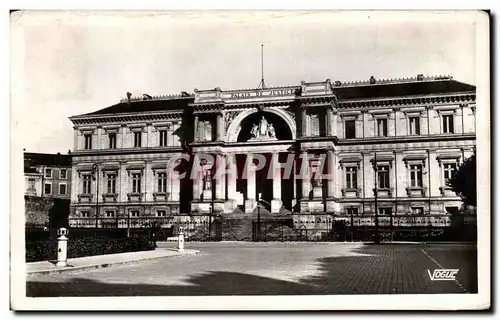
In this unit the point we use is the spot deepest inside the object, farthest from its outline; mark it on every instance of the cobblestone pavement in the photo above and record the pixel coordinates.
(275, 269)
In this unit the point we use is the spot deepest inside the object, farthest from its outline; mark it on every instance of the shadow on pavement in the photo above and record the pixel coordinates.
(381, 270)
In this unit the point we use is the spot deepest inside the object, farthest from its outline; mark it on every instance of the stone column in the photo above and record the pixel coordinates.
(220, 127)
(250, 202)
(75, 139)
(196, 133)
(219, 162)
(330, 203)
(231, 202)
(306, 183)
(294, 181)
(328, 120)
(304, 122)
(276, 202)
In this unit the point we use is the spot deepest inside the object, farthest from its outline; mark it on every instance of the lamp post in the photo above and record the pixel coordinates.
(95, 177)
(352, 224)
(377, 240)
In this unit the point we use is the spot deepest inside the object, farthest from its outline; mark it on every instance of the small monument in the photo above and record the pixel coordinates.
(263, 131)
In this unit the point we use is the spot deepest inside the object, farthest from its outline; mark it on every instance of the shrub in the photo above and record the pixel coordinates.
(47, 250)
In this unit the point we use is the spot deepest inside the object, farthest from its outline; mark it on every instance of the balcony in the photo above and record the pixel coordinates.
(415, 191)
(134, 197)
(161, 196)
(350, 192)
(383, 192)
(85, 197)
(109, 197)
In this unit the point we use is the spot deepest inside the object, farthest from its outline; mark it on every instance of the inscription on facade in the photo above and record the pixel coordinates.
(261, 93)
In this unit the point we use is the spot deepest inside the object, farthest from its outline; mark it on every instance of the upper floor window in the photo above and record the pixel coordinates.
(385, 211)
(88, 141)
(163, 138)
(85, 214)
(351, 177)
(110, 214)
(448, 123)
(31, 184)
(111, 183)
(48, 188)
(62, 189)
(382, 127)
(48, 173)
(86, 179)
(383, 177)
(161, 213)
(352, 211)
(417, 211)
(350, 129)
(63, 174)
(134, 213)
(137, 139)
(136, 182)
(414, 125)
(162, 182)
(112, 140)
(416, 175)
(449, 171)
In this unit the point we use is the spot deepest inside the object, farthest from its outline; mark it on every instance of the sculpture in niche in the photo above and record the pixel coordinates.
(207, 180)
(263, 131)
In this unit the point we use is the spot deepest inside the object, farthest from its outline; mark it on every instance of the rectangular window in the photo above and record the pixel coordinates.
(416, 175)
(162, 182)
(88, 141)
(48, 188)
(134, 213)
(48, 173)
(314, 120)
(111, 183)
(161, 213)
(385, 211)
(163, 138)
(110, 214)
(136, 183)
(351, 178)
(137, 139)
(86, 184)
(449, 171)
(448, 123)
(352, 211)
(31, 184)
(62, 174)
(382, 127)
(350, 129)
(62, 189)
(383, 177)
(418, 211)
(112, 140)
(414, 125)
(85, 214)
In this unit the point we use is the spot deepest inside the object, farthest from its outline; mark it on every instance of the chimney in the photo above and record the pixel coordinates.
(420, 77)
(372, 80)
(129, 95)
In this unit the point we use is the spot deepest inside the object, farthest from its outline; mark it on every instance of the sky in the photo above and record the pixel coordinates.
(70, 63)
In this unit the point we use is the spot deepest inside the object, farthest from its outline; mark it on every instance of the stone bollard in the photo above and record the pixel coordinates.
(180, 241)
(62, 247)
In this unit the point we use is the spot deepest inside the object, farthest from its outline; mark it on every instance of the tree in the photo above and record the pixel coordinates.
(463, 182)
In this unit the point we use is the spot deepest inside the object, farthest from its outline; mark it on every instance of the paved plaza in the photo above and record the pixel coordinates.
(275, 269)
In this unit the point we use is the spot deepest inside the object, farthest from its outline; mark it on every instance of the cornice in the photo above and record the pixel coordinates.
(408, 100)
(132, 117)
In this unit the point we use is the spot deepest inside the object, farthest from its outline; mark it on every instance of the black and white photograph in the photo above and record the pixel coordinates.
(250, 160)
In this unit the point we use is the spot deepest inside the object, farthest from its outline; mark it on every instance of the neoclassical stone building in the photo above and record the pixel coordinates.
(388, 147)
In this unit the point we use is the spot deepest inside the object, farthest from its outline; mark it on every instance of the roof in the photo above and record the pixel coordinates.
(344, 91)
(32, 159)
(30, 170)
(145, 105)
(401, 89)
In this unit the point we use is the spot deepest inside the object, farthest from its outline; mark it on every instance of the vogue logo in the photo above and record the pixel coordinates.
(442, 274)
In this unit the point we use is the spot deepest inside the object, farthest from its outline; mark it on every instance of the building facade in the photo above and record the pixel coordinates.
(373, 152)
(47, 175)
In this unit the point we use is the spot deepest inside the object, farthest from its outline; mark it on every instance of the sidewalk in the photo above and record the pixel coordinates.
(103, 261)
